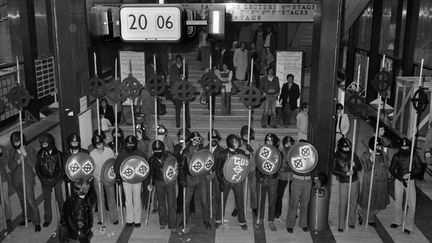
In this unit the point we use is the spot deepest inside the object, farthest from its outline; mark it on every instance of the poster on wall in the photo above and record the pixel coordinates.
(132, 62)
(289, 62)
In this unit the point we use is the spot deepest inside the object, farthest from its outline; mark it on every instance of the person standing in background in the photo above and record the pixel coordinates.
(176, 75)
(259, 42)
(284, 175)
(204, 45)
(240, 61)
(270, 89)
(289, 95)
(302, 122)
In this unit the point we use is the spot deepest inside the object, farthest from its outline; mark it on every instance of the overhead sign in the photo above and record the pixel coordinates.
(151, 22)
(263, 12)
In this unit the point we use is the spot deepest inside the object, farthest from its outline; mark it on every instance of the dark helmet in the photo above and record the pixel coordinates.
(244, 132)
(379, 144)
(288, 139)
(344, 145)
(230, 140)
(196, 138)
(180, 133)
(215, 135)
(131, 143)
(158, 146)
(273, 139)
(102, 134)
(15, 138)
(73, 138)
(161, 130)
(97, 139)
(405, 144)
(48, 139)
(119, 133)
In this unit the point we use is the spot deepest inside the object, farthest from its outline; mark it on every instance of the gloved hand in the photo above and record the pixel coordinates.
(249, 148)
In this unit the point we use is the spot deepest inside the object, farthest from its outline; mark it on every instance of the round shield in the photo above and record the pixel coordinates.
(302, 157)
(80, 166)
(268, 159)
(170, 170)
(134, 169)
(108, 175)
(201, 163)
(236, 168)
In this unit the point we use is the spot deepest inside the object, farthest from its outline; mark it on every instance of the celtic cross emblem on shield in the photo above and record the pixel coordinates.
(111, 173)
(170, 172)
(305, 151)
(141, 169)
(268, 166)
(297, 162)
(128, 172)
(87, 168)
(74, 168)
(265, 153)
(208, 164)
(197, 166)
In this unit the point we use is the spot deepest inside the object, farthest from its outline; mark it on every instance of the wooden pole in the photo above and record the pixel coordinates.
(210, 137)
(414, 131)
(155, 99)
(101, 206)
(352, 154)
(98, 116)
(184, 146)
(222, 210)
(149, 201)
(3, 202)
(22, 147)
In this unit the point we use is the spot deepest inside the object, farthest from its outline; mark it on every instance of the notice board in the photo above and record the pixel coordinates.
(132, 62)
(289, 62)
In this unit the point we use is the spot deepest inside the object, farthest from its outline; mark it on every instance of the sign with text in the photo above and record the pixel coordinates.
(151, 22)
(289, 62)
(265, 12)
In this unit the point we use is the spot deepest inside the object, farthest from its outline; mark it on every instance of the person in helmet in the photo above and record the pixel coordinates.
(214, 147)
(342, 124)
(342, 170)
(183, 142)
(22, 155)
(192, 183)
(233, 147)
(399, 169)
(284, 175)
(49, 169)
(380, 193)
(249, 148)
(78, 214)
(120, 140)
(162, 135)
(101, 154)
(74, 147)
(165, 192)
(132, 191)
(97, 132)
(268, 186)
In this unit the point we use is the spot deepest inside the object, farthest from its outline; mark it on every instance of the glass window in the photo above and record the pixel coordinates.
(423, 47)
(365, 27)
(362, 61)
(402, 28)
(388, 27)
(5, 40)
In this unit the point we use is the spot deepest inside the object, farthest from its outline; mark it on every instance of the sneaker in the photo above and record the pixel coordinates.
(162, 227)
(99, 223)
(22, 223)
(394, 226)
(290, 230)
(234, 213)
(137, 225)
(305, 229)
(243, 227)
(216, 225)
(37, 228)
(351, 226)
(407, 231)
(372, 224)
(46, 224)
(115, 222)
(272, 226)
(340, 230)
(129, 224)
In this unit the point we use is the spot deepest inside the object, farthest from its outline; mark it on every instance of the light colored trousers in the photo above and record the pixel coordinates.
(398, 213)
(133, 202)
(343, 203)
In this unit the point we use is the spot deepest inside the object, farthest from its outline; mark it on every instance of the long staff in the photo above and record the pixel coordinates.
(259, 205)
(149, 201)
(412, 152)
(352, 155)
(222, 210)
(101, 208)
(97, 99)
(248, 139)
(3, 202)
(132, 101)
(155, 99)
(22, 146)
(119, 197)
(184, 146)
(374, 153)
(210, 138)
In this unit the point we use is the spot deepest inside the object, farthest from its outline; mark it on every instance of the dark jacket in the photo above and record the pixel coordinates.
(16, 168)
(224, 156)
(49, 166)
(184, 172)
(67, 155)
(293, 94)
(122, 156)
(400, 165)
(217, 153)
(175, 74)
(260, 176)
(109, 113)
(78, 218)
(270, 88)
(156, 166)
(342, 165)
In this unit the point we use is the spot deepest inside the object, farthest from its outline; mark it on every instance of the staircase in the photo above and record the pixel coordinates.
(199, 113)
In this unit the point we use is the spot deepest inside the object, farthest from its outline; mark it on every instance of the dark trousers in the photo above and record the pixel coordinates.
(32, 208)
(280, 193)
(239, 203)
(199, 187)
(46, 192)
(269, 187)
(301, 190)
(180, 200)
(215, 195)
(166, 198)
(226, 103)
(287, 114)
(178, 107)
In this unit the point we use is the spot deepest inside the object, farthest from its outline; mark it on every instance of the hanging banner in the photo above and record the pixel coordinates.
(243, 12)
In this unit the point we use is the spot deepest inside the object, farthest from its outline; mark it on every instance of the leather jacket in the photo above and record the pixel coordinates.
(78, 218)
(400, 165)
(49, 166)
(156, 165)
(224, 156)
(341, 166)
